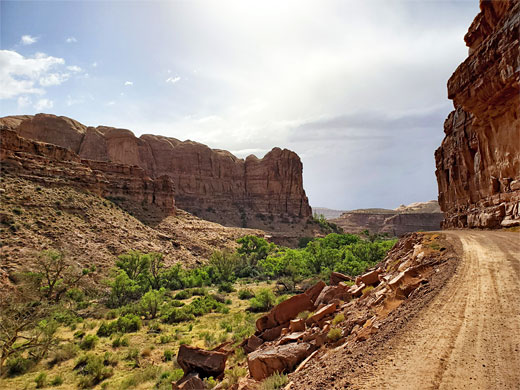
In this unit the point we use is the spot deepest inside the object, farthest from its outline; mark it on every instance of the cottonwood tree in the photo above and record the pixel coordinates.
(23, 327)
(55, 274)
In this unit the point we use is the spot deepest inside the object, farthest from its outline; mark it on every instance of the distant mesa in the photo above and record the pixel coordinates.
(425, 216)
(212, 184)
(478, 162)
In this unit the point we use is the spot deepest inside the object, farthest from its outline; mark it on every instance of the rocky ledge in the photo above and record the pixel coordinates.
(478, 162)
(212, 184)
(51, 165)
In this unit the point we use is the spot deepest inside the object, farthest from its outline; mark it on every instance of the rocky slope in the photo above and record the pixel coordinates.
(478, 162)
(424, 216)
(212, 184)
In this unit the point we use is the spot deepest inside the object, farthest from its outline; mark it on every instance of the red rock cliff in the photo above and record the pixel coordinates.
(128, 186)
(212, 184)
(478, 162)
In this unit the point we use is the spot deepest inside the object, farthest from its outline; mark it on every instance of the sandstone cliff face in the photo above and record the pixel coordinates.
(212, 184)
(478, 162)
(49, 164)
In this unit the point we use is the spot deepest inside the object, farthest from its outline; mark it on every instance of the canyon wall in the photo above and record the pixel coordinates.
(128, 186)
(213, 184)
(420, 216)
(478, 162)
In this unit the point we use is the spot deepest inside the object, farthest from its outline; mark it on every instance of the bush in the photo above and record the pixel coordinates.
(263, 300)
(165, 339)
(91, 370)
(275, 382)
(339, 318)
(184, 294)
(62, 354)
(88, 342)
(245, 294)
(105, 330)
(335, 334)
(129, 323)
(167, 377)
(233, 375)
(174, 315)
(57, 381)
(120, 342)
(41, 380)
(109, 359)
(18, 365)
(226, 287)
(168, 355)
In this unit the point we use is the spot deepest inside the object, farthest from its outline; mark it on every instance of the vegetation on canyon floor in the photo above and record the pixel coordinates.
(60, 329)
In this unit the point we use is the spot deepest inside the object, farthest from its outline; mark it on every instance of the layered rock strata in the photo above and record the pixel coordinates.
(425, 216)
(478, 162)
(53, 165)
(213, 184)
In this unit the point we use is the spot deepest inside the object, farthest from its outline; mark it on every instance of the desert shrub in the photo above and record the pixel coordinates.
(120, 341)
(175, 315)
(245, 294)
(275, 382)
(133, 357)
(63, 353)
(226, 326)
(184, 294)
(263, 300)
(367, 290)
(304, 314)
(111, 315)
(154, 328)
(209, 339)
(151, 303)
(334, 334)
(165, 339)
(233, 375)
(226, 287)
(57, 381)
(224, 264)
(126, 324)
(18, 365)
(141, 376)
(105, 330)
(167, 377)
(88, 342)
(338, 318)
(41, 380)
(79, 334)
(109, 359)
(91, 370)
(209, 382)
(167, 355)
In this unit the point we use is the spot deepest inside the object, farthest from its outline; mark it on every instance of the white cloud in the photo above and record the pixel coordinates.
(28, 40)
(74, 68)
(111, 103)
(173, 80)
(53, 79)
(44, 104)
(94, 64)
(71, 40)
(19, 75)
(24, 101)
(129, 83)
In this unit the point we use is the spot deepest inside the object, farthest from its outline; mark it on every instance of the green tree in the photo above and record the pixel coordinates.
(123, 289)
(151, 302)
(224, 264)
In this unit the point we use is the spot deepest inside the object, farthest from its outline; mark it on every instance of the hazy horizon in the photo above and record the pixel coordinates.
(358, 90)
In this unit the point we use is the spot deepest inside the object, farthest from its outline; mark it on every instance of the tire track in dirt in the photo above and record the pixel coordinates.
(468, 337)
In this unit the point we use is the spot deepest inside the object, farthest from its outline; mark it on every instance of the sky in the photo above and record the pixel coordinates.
(356, 88)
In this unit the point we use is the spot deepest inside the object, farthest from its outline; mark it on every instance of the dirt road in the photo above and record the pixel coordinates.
(468, 337)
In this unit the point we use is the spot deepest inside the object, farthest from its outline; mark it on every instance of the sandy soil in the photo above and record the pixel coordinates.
(468, 337)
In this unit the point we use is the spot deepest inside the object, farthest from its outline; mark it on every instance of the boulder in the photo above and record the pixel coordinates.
(357, 290)
(369, 278)
(254, 342)
(285, 311)
(272, 334)
(189, 382)
(205, 363)
(297, 325)
(283, 358)
(336, 278)
(314, 291)
(324, 311)
(332, 292)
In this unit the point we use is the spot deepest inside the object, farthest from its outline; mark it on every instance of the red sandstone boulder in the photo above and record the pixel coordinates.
(297, 325)
(369, 278)
(314, 291)
(332, 292)
(205, 363)
(284, 312)
(189, 382)
(336, 278)
(324, 311)
(357, 290)
(282, 358)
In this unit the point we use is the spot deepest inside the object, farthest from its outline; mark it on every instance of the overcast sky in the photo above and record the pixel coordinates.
(356, 88)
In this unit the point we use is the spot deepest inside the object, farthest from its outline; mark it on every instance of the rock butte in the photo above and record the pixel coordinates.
(478, 162)
(212, 184)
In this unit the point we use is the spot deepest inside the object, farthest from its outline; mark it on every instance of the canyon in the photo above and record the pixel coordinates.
(478, 162)
(425, 216)
(212, 184)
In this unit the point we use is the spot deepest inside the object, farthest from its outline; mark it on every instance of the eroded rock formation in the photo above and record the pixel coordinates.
(53, 165)
(213, 184)
(478, 162)
(424, 216)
